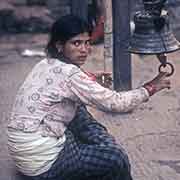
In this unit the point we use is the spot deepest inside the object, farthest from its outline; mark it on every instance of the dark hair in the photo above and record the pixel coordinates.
(65, 28)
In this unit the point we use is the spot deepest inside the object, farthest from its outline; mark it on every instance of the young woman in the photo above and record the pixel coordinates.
(51, 134)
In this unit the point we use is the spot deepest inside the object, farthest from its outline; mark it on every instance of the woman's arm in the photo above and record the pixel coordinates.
(93, 94)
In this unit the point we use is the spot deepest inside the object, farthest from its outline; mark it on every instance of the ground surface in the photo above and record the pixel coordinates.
(150, 134)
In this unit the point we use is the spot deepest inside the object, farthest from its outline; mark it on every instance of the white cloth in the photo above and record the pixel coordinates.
(32, 153)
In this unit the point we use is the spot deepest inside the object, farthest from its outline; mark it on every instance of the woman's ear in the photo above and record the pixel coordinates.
(59, 47)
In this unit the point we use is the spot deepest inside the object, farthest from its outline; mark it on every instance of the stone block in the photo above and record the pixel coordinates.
(34, 25)
(34, 19)
(6, 17)
(6, 6)
(31, 15)
(51, 3)
(60, 11)
(19, 2)
(36, 2)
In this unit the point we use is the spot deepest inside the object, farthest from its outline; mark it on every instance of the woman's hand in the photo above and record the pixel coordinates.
(104, 78)
(158, 83)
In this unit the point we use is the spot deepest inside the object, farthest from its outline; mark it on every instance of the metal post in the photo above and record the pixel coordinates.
(121, 36)
(80, 8)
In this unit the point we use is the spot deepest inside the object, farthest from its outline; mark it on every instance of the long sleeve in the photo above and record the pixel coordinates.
(93, 94)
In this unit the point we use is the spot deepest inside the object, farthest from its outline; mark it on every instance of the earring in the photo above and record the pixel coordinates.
(60, 53)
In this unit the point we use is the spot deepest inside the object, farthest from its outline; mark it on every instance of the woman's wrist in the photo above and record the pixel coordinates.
(150, 88)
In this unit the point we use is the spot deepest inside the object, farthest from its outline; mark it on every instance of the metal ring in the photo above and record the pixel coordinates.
(171, 67)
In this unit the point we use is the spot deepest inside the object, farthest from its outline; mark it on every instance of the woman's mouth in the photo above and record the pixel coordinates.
(83, 56)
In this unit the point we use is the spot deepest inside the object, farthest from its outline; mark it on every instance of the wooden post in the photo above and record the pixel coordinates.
(108, 40)
(121, 36)
(80, 8)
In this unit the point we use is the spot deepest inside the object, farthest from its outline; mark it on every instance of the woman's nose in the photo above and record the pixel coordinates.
(84, 47)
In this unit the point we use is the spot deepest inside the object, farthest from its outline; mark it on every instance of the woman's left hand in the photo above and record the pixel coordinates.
(159, 83)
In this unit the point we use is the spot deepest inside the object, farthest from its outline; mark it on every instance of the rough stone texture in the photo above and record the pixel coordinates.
(174, 13)
(36, 2)
(10, 22)
(32, 19)
(18, 2)
(33, 16)
(58, 8)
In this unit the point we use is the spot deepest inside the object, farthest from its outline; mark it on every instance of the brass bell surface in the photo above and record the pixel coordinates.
(154, 6)
(152, 34)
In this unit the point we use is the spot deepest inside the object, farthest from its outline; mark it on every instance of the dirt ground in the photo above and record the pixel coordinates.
(150, 134)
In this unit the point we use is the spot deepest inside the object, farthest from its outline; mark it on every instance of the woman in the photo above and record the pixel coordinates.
(51, 134)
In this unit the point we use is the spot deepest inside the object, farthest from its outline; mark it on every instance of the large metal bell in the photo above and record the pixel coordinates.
(152, 34)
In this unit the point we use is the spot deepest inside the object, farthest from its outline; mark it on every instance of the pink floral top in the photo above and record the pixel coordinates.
(48, 98)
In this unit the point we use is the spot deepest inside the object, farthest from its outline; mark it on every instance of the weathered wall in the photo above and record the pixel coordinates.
(37, 15)
(30, 15)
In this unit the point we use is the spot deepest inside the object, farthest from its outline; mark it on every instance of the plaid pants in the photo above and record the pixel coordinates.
(90, 153)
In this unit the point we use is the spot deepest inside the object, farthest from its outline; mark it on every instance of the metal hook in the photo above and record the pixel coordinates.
(164, 66)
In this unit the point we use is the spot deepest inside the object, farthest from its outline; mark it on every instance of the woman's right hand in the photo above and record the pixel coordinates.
(158, 83)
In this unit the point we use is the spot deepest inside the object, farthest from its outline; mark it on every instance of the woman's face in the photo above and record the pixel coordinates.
(77, 49)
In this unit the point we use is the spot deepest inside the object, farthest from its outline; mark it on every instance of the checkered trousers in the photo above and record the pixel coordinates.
(90, 153)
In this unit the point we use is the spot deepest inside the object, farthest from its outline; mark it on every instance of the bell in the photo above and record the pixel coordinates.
(152, 34)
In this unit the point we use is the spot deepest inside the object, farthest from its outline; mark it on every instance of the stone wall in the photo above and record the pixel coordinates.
(32, 16)
(17, 16)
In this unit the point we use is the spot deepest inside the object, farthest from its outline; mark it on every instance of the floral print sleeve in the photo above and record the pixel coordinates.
(93, 94)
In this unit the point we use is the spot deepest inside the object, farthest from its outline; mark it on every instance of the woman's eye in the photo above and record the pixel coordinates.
(87, 43)
(76, 43)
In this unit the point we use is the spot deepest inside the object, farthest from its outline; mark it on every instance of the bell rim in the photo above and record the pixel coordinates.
(150, 52)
